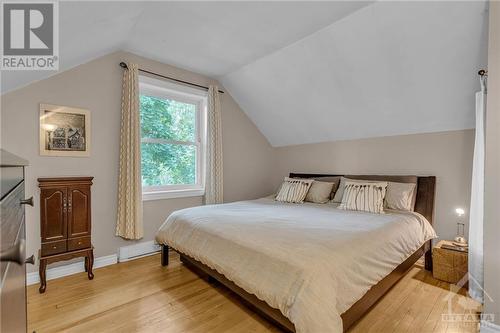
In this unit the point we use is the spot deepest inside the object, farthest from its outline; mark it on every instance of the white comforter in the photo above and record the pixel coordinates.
(310, 261)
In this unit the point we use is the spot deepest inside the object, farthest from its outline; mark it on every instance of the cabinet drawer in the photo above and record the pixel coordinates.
(11, 217)
(78, 243)
(53, 248)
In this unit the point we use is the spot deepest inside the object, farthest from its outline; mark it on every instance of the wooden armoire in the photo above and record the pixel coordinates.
(65, 222)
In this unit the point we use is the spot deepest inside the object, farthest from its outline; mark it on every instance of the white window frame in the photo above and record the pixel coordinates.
(167, 90)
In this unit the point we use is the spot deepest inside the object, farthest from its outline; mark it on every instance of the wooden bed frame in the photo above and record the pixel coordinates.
(424, 204)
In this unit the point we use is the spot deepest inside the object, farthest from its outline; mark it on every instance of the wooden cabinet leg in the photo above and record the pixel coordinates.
(86, 264)
(43, 278)
(90, 258)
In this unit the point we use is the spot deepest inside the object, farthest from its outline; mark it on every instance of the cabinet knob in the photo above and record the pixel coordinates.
(14, 253)
(28, 201)
(30, 260)
(54, 247)
(80, 243)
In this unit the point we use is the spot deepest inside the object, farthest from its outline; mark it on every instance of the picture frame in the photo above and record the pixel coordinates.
(64, 131)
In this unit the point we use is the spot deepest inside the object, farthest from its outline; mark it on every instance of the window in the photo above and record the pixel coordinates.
(172, 139)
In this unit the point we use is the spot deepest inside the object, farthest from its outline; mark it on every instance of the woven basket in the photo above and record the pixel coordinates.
(448, 265)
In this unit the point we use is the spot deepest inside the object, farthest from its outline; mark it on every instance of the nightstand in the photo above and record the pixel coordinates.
(449, 265)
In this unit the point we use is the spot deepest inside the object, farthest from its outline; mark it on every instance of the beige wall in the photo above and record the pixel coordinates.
(97, 86)
(446, 155)
(492, 170)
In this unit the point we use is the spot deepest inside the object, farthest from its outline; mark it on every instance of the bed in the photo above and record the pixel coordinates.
(309, 267)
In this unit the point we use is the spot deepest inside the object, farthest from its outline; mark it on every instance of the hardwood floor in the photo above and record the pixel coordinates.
(142, 296)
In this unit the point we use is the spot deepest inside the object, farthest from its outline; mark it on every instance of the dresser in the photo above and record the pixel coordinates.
(65, 222)
(12, 246)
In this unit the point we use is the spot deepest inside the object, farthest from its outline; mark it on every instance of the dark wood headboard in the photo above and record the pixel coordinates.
(426, 188)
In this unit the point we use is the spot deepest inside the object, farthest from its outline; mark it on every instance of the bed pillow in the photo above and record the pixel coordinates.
(400, 196)
(340, 190)
(293, 190)
(364, 196)
(330, 179)
(319, 192)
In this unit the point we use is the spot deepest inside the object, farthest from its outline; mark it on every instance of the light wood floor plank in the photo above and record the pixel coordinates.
(142, 296)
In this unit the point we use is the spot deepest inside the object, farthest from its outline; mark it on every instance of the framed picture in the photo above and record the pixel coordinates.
(64, 131)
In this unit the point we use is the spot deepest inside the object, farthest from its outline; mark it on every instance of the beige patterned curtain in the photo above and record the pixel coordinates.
(213, 177)
(129, 221)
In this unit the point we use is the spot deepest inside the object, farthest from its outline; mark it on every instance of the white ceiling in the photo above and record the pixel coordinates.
(212, 38)
(390, 68)
(302, 71)
(218, 38)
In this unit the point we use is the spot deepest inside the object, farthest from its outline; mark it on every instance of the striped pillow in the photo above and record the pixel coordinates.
(294, 190)
(368, 197)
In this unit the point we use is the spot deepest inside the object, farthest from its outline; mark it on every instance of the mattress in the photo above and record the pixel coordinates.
(310, 261)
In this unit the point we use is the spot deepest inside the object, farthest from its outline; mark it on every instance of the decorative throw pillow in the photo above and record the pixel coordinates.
(399, 196)
(319, 192)
(366, 196)
(294, 190)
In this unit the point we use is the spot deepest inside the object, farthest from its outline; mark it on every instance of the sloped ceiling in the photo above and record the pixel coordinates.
(87, 30)
(211, 38)
(218, 38)
(302, 71)
(388, 69)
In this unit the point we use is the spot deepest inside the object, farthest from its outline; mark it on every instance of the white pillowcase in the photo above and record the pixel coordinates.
(364, 196)
(319, 192)
(294, 190)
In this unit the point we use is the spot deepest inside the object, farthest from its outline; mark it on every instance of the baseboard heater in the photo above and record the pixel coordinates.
(134, 251)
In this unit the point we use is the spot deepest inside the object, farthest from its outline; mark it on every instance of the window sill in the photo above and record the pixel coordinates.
(159, 195)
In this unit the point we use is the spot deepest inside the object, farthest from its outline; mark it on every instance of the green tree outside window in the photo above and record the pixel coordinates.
(168, 142)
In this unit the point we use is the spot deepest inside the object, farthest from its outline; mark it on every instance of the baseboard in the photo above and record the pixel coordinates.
(70, 269)
(488, 327)
(138, 250)
(125, 253)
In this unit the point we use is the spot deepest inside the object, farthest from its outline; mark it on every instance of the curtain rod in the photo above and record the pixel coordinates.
(124, 65)
(483, 72)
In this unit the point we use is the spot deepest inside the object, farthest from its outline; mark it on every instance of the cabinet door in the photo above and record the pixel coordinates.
(53, 214)
(78, 211)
